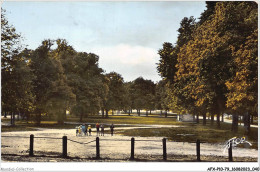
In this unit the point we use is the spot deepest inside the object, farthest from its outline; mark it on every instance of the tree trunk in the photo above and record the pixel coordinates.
(138, 111)
(103, 113)
(218, 120)
(112, 112)
(150, 112)
(204, 119)
(234, 123)
(5, 115)
(129, 112)
(197, 119)
(23, 116)
(27, 117)
(11, 115)
(161, 113)
(106, 113)
(247, 123)
(222, 117)
(49, 116)
(61, 118)
(147, 113)
(64, 115)
(166, 114)
(212, 119)
(252, 119)
(13, 118)
(38, 118)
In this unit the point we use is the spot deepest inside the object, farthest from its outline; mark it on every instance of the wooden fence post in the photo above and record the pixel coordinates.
(31, 145)
(132, 148)
(64, 146)
(97, 148)
(198, 149)
(164, 149)
(230, 152)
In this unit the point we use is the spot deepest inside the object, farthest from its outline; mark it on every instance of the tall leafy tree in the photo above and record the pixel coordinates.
(167, 62)
(115, 100)
(143, 94)
(44, 70)
(84, 77)
(243, 87)
(16, 75)
(208, 57)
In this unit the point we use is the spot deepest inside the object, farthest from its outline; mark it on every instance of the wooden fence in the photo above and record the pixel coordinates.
(132, 155)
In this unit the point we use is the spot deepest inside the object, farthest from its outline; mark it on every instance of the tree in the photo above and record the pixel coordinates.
(207, 58)
(187, 27)
(143, 94)
(243, 87)
(210, 10)
(168, 60)
(44, 70)
(163, 97)
(16, 75)
(115, 100)
(84, 77)
(60, 95)
(127, 97)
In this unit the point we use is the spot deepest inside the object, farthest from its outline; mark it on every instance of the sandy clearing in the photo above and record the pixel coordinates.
(114, 147)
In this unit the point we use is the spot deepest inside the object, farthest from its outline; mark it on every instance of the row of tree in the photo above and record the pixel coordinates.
(212, 68)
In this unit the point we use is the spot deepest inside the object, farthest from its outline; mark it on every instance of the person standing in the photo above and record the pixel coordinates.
(77, 131)
(102, 129)
(84, 129)
(80, 130)
(112, 129)
(97, 127)
(89, 130)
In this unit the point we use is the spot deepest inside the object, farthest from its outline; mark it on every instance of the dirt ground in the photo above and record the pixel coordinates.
(112, 148)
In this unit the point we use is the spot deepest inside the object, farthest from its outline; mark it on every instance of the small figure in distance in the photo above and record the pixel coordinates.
(102, 129)
(80, 130)
(84, 129)
(97, 127)
(77, 131)
(89, 130)
(112, 129)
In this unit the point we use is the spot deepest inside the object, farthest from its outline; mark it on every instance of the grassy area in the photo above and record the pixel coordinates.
(30, 126)
(125, 119)
(192, 132)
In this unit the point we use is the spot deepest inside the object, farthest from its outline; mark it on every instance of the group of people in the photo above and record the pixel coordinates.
(85, 129)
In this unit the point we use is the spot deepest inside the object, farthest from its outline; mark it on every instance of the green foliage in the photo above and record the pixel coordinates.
(143, 94)
(216, 61)
(15, 73)
(167, 62)
(83, 77)
(115, 99)
(243, 87)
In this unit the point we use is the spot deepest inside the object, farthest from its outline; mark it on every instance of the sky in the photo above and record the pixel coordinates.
(125, 35)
